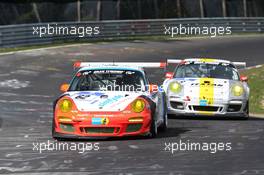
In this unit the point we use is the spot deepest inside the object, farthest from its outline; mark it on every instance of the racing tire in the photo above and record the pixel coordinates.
(153, 129)
(246, 116)
(163, 127)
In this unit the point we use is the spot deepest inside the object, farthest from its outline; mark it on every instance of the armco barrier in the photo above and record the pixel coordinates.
(22, 35)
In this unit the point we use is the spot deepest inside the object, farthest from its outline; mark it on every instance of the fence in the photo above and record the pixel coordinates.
(22, 35)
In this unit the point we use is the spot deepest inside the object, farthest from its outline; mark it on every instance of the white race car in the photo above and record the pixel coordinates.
(201, 86)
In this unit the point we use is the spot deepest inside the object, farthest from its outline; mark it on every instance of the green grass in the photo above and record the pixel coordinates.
(256, 84)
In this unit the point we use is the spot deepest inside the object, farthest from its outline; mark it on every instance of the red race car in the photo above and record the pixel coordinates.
(109, 100)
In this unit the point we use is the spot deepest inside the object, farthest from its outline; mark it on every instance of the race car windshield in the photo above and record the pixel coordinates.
(206, 71)
(108, 80)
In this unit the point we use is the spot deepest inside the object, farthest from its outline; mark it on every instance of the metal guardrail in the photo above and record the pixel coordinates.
(22, 35)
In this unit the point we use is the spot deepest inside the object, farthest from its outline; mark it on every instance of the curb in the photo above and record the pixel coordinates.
(256, 115)
(252, 67)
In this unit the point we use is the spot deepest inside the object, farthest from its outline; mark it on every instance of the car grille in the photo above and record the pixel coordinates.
(98, 130)
(133, 127)
(177, 105)
(206, 108)
(67, 127)
(234, 108)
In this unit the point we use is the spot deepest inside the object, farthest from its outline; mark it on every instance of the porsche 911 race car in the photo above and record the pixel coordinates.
(207, 87)
(109, 100)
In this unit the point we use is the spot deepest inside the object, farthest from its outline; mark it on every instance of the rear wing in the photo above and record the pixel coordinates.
(238, 65)
(174, 61)
(78, 64)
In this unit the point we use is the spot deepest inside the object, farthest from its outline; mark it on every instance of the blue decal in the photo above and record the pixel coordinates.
(190, 79)
(203, 102)
(98, 93)
(110, 100)
(91, 93)
(84, 95)
(160, 89)
(96, 121)
(179, 78)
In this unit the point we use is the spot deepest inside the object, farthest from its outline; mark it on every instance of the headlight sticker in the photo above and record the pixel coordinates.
(175, 87)
(237, 90)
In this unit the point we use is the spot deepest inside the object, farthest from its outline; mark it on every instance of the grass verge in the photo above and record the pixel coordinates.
(256, 84)
(150, 38)
(65, 43)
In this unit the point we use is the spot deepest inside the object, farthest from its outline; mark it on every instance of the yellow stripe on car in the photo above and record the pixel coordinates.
(206, 97)
(207, 60)
(205, 113)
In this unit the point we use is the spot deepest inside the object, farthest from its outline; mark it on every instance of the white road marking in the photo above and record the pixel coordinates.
(112, 148)
(14, 84)
(47, 48)
(11, 169)
(13, 154)
(133, 146)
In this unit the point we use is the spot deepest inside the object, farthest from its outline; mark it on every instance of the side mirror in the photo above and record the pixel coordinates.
(153, 88)
(243, 78)
(64, 87)
(169, 75)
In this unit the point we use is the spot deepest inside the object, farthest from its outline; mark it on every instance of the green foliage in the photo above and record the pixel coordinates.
(256, 84)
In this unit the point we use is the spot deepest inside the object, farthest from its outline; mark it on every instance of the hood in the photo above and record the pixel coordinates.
(103, 100)
(210, 89)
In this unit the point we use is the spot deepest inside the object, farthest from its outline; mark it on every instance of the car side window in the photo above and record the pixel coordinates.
(179, 72)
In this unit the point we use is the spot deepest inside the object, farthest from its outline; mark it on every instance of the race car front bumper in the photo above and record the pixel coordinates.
(103, 125)
(231, 108)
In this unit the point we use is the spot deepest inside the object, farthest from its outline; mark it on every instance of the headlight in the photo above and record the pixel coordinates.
(138, 105)
(65, 105)
(64, 119)
(175, 87)
(237, 90)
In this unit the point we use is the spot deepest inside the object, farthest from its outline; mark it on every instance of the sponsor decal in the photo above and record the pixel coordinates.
(85, 95)
(110, 100)
(100, 121)
(90, 93)
(206, 92)
(190, 79)
(105, 121)
(203, 102)
(124, 100)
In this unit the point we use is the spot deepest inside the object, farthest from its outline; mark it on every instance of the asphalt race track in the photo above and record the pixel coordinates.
(29, 82)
